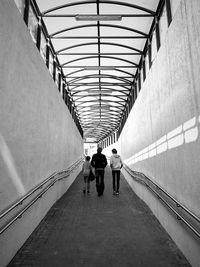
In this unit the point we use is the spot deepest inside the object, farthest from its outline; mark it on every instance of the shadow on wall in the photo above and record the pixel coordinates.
(186, 133)
(10, 166)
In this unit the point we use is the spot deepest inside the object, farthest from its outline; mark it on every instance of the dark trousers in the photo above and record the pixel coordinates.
(116, 178)
(99, 174)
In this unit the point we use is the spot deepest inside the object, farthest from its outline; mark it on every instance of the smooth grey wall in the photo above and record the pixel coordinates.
(37, 133)
(161, 135)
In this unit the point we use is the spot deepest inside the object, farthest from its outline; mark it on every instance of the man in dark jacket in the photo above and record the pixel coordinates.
(99, 162)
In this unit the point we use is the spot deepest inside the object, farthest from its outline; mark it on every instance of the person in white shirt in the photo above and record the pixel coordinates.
(115, 164)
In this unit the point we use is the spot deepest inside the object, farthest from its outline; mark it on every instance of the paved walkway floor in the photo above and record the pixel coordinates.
(92, 231)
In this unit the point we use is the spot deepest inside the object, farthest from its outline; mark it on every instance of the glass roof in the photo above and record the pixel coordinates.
(99, 45)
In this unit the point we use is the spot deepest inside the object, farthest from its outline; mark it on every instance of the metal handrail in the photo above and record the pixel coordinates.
(178, 204)
(19, 202)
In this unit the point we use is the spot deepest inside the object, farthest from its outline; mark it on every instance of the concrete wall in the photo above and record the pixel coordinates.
(37, 133)
(161, 135)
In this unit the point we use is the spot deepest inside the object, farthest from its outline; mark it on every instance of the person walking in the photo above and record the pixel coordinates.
(99, 162)
(115, 164)
(86, 171)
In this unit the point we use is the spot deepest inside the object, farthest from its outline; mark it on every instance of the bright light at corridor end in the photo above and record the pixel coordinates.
(97, 17)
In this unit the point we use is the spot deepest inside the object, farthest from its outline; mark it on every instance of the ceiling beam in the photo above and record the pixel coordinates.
(98, 37)
(148, 11)
(74, 15)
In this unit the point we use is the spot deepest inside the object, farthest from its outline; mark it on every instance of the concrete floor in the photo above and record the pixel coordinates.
(92, 231)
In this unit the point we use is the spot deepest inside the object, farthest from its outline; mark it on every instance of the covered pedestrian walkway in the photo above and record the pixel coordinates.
(79, 74)
(92, 231)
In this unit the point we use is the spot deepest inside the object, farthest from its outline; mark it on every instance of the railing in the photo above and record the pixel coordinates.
(49, 182)
(183, 214)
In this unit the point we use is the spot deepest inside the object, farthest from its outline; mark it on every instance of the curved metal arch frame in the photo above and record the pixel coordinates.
(97, 88)
(100, 126)
(103, 117)
(112, 123)
(102, 101)
(102, 97)
(115, 118)
(98, 95)
(100, 43)
(99, 121)
(103, 77)
(116, 113)
(103, 94)
(101, 130)
(126, 72)
(108, 125)
(89, 57)
(80, 108)
(111, 118)
(100, 25)
(93, 111)
(102, 2)
(120, 85)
